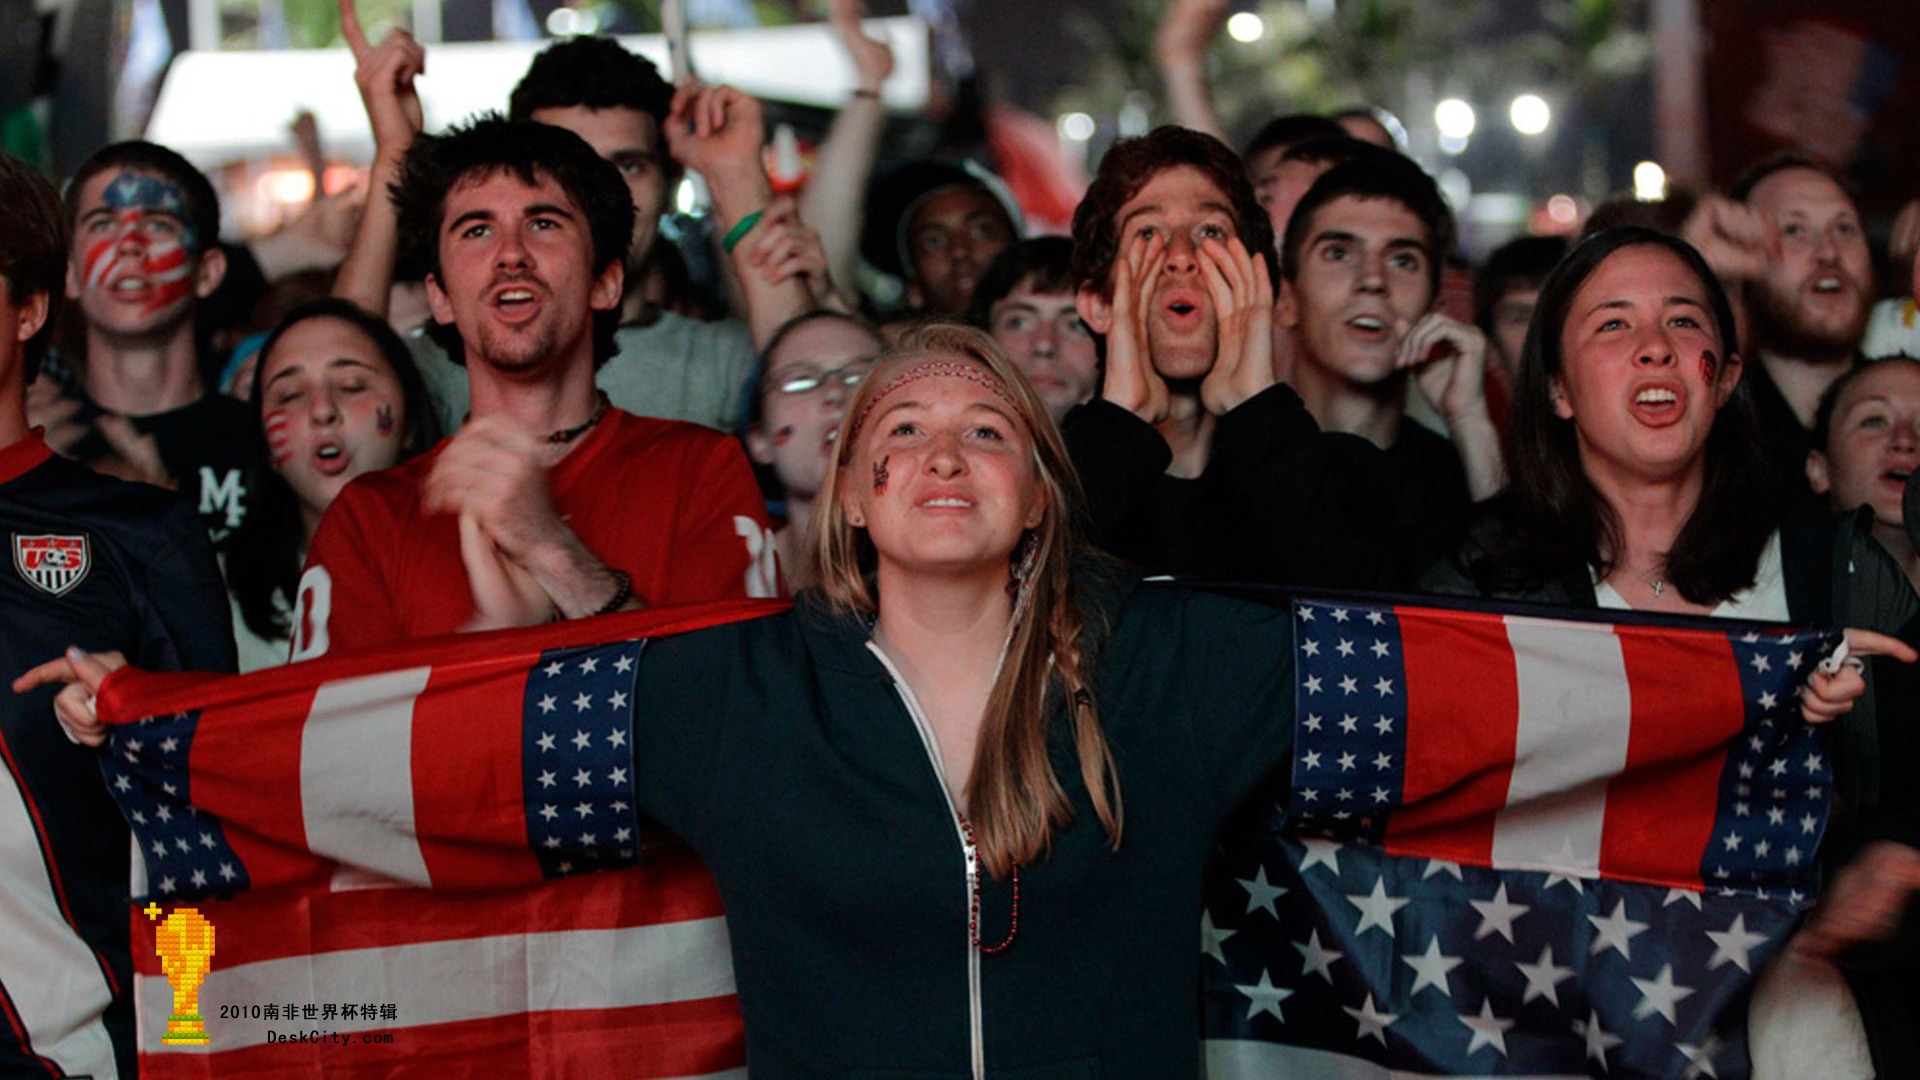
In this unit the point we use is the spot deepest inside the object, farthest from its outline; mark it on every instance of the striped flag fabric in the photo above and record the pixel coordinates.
(1517, 846)
(396, 866)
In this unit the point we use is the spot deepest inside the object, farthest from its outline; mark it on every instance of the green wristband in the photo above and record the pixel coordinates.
(739, 231)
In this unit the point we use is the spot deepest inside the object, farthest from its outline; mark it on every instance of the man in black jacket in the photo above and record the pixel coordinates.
(1195, 459)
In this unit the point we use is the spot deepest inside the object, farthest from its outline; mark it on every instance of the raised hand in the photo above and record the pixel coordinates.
(384, 75)
(82, 672)
(1131, 382)
(1187, 29)
(1737, 241)
(782, 247)
(715, 129)
(872, 58)
(1242, 292)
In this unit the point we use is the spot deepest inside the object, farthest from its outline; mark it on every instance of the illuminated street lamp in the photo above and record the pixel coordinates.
(1530, 114)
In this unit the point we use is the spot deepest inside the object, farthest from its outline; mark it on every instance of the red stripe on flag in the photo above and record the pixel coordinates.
(1660, 816)
(467, 732)
(130, 693)
(644, 1042)
(1458, 767)
(245, 767)
(279, 923)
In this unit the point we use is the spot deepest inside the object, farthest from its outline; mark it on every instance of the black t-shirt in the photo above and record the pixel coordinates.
(208, 449)
(105, 565)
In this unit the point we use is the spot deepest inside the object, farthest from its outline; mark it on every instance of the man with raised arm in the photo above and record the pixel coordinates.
(667, 365)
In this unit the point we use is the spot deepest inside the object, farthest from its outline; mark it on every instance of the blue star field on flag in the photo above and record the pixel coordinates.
(1316, 938)
(578, 758)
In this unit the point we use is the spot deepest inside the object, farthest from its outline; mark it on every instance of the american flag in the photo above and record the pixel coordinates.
(1517, 846)
(397, 868)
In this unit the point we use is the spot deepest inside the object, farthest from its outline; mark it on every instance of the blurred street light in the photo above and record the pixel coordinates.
(1454, 118)
(1246, 27)
(1075, 126)
(1530, 114)
(1649, 182)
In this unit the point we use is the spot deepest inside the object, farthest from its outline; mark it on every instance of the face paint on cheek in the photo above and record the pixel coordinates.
(783, 436)
(1709, 366)
(383, 419)
(880, 475)
(279, 437)
(162, 262)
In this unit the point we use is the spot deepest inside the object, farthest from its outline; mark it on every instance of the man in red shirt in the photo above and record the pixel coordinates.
(549, 503)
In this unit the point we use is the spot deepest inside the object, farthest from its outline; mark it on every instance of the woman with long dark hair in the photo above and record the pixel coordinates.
(336, 395)
(1638, 483)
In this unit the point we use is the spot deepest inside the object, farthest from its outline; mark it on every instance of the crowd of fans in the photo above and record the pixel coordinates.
(507, 405)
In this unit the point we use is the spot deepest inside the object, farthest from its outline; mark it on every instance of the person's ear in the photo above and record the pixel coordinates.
(1095, 310)
(1730, 373)
(1562, 408)
(437, 301)
(210, 272)
(1819, 472)
(759, 446)
(33, 315)
(608, 287)
(1287, 311)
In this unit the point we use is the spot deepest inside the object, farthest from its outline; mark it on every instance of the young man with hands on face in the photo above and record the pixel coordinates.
(1196, 461)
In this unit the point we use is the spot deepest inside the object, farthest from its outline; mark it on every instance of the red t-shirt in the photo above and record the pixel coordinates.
(672, 504)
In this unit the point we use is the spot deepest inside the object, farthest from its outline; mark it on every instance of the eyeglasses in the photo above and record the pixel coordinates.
(806, 378)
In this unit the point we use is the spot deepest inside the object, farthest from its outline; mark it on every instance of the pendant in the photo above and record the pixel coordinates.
(1659, 588)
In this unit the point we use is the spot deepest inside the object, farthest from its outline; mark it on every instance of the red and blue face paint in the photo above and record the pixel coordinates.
(158, 267)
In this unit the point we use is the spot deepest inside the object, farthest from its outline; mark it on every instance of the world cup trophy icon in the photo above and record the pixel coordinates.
(185, 944)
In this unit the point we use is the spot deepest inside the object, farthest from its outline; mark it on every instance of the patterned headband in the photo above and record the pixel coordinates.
(927, 369)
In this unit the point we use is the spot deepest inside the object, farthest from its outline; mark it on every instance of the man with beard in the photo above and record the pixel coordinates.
(549, 503)
(1800, 253)
(1195, 459)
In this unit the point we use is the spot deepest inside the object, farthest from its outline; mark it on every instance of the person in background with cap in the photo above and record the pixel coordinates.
(938, 226)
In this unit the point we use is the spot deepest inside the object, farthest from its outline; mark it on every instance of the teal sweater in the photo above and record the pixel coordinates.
(783, 752)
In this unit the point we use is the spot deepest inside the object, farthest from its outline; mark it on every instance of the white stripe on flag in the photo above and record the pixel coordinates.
(48, 971)
(356, 773)
(1575, 714)
(1237, 1059)
(437, 982)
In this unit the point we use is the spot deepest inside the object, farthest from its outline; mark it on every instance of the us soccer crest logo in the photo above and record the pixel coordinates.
(52, 564)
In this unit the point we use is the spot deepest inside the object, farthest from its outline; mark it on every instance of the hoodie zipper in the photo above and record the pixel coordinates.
(976, 1034)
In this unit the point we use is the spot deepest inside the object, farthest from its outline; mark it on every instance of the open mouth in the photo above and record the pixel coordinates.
(947, 503)
(1828, 285)
(330, 459)
(1898, 475)
(1658, 405)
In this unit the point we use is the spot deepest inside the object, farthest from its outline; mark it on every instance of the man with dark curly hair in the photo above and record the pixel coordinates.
(549, 503)
(669, 365)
